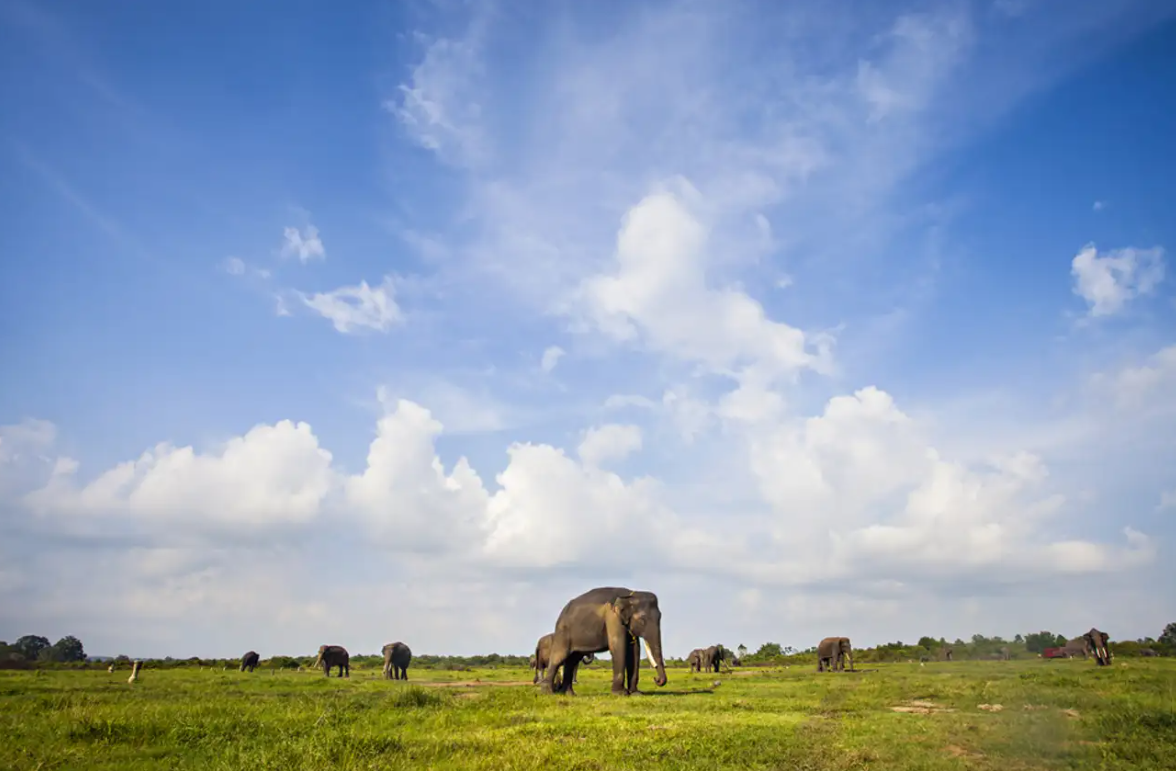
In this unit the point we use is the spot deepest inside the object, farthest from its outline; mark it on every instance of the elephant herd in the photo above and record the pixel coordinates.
(396, 659)
(620, 621)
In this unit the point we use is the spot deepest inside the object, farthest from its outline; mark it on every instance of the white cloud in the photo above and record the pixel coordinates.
(352, 308)
(304, 244)
(1167, 500)
(272, 475)
(235, 266)
(609, 442)
(1142, 389)
(658, 293)
(28, 436)
(551, 356)
(1108, 282)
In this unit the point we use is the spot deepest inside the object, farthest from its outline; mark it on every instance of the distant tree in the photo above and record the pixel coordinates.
(1168, 636)
(769, 650)
(1039, 641)
(742, 649)
(68, 648)
(1060, 640)
(1018, 639)
(927, 642)
(31, 645)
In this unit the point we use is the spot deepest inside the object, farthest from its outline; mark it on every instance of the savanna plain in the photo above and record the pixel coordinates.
(1036, 714)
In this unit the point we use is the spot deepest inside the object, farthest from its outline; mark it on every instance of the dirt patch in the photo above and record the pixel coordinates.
(919, 707)
(1032, 707)
(959, 752)
(1071, 713)
(990, 707)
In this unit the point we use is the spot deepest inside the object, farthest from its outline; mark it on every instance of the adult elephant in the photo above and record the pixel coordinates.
(1004, 653)
(1076, 647)
(396, 658)
(1098, 646)
(608, 618)
(249, 661)
(542, 656)
(832, 653)
(1147, 652)
(714, 657)
(695, 659)
(333, 656)
(946, 653)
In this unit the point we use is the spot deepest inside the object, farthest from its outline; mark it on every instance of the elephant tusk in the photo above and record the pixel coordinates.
(648, 653)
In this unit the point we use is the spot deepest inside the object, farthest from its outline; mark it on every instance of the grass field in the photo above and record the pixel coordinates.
(1051, 715)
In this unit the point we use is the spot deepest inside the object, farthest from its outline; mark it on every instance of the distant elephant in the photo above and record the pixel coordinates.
(1098, 646)
(713, 657)
(396, 658)
(736, 661)
(542, 655)
(249, 661)
(1148, 652)
(333, 656)
(608, 618)
(832, 653)
(1076, 647)
(1003, 654)
(946, 653)
(695, 659)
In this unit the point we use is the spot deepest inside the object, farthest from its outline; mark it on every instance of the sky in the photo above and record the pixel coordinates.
(411, 321)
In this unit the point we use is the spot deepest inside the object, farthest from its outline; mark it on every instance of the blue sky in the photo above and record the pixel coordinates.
(414, 320)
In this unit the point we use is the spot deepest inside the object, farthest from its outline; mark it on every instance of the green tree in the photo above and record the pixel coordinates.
(31, 645)
(1168, 636)
(742, 650)
(68, 648)
(927, 642)
(1039, 641)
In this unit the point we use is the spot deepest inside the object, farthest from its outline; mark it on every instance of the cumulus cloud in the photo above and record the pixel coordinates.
(271, 475)
(354, 308)
(1144, 388)
(609, 443)
(303, 243)
(551, 356)
(1109, 281)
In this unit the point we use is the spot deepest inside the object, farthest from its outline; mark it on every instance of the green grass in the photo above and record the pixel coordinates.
(1054, 715)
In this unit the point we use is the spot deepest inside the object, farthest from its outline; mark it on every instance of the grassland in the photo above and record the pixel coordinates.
(976, 715)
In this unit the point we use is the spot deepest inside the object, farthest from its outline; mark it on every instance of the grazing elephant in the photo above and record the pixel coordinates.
(333, 656)
(832, 653)
(396, 658)
(1098, 646)
(608, 618)
(1147, 652)
(249, 661)
(542, 655)
(695, 659)
(713, 657)
(946, 653)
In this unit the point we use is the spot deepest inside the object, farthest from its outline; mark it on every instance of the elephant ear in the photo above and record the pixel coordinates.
(624, 607)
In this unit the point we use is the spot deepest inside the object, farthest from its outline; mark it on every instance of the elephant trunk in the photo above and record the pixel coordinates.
(653, 649)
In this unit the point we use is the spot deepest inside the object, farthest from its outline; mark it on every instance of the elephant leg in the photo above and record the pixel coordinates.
(558, 655)
(633, 655)
(618, 649)
(571, 666)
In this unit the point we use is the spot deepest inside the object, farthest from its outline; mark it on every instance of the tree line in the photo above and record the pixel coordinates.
(35, 650)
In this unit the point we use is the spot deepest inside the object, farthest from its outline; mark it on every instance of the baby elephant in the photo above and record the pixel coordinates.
(396, 659)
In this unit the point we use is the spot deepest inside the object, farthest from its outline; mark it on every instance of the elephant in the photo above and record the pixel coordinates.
(946, 653)
(832, 653)
(1098, 646)
(249, 661)
(608, 618)
(541, 656)
(695, 659)
(713, 657)
(396, 658)
(1147, 652)
(333, 656)
(1076, 647)
(1003, 654)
